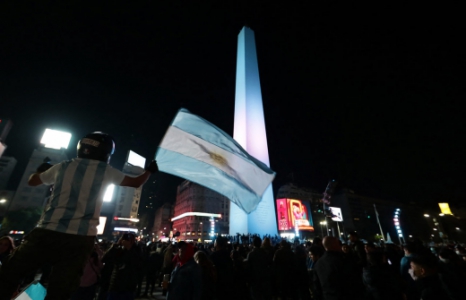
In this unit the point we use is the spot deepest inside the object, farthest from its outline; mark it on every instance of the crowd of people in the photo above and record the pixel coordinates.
(265, 268)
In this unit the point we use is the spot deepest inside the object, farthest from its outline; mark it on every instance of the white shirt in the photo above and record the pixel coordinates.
(76, 200)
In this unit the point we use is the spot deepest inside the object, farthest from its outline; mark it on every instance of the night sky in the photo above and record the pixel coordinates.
(369, 95)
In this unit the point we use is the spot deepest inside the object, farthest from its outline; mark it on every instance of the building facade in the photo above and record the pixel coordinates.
(35, 197)
(7, 165)
(162, 221)
(200, 212)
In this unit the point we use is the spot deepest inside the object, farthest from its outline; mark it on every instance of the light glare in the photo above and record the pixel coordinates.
(55, 139)
(109, 193)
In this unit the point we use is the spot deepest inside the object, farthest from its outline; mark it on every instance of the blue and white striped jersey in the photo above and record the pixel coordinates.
(77, 196)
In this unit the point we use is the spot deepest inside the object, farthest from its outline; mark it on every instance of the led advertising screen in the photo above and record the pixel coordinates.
(136, 159)
(336, 214)
(101, 226)
(292, 213)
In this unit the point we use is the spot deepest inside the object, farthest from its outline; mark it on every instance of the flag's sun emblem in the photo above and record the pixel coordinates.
(219, 159)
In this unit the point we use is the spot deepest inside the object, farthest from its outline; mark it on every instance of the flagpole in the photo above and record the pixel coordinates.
(378, 221)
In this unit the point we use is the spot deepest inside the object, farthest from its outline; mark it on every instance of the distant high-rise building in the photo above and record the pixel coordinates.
(200, 212)
(162, 223)
(35, 197)
(127, 199)
(5, 126)
(249, 132)
(7, 165)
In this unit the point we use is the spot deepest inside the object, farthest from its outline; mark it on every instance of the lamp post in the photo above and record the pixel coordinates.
(321, 228)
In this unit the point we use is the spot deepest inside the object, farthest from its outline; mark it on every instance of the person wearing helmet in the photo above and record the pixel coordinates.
(66, 232)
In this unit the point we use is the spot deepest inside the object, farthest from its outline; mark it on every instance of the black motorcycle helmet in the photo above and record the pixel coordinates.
(96, 145)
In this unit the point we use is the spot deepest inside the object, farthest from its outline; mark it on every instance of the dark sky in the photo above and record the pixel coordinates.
(369, 95)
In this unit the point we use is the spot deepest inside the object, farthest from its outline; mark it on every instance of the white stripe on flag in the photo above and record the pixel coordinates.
(234, 166)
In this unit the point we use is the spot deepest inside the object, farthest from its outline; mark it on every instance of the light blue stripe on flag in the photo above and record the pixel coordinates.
(34, 291)
(199, 151)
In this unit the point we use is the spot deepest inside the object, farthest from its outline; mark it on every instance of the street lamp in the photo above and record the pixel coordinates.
(426, 215)
(2, 201)
(321, 229)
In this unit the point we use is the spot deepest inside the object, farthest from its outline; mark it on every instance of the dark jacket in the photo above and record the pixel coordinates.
(185, 282)
(127, 266)
(382, 283)
(224, 266)
(339, 278)
(431, 288)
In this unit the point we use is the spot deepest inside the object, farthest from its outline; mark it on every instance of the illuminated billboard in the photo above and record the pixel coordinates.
(101, 226)
(336, 214)
(55, 139)
(136, 159)
(445, 208)
(292, 213)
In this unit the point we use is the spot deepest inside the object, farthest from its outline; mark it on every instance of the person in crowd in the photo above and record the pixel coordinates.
(258, 272)
(127, 264)
(410, 250)
(224, 266)
(285, 271)
(338, 277)
(315, 253)
(358, 248)
(239, 275)
(302, 277)
(381, 281)
(7, 245)
(346, 248)
(154, 265)
(167, 266)
(369, 247)
(209, 275)
(451, 273)
(424, 271)
(91, 276)
(186, 278)
(71, 218)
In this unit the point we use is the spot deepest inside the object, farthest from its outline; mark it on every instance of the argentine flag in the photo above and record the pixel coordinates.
(35, 291)
(199, 151)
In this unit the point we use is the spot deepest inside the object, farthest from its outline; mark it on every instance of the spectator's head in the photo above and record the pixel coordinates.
(345, 248)
(284, 244)
(317, 241)
(331, 244)
(446, 255)
(266, 243)
(220, 243)
(96, 145)
(375, 258)
(201, 258)
(410, 248)
(256, 242)
(128, 240)
(6, 245)
(369, 247)
(423, 266)
(315, 252)
(185, 252)
(353, 236)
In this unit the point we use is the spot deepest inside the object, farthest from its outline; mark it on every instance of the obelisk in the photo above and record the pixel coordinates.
(249, 132)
